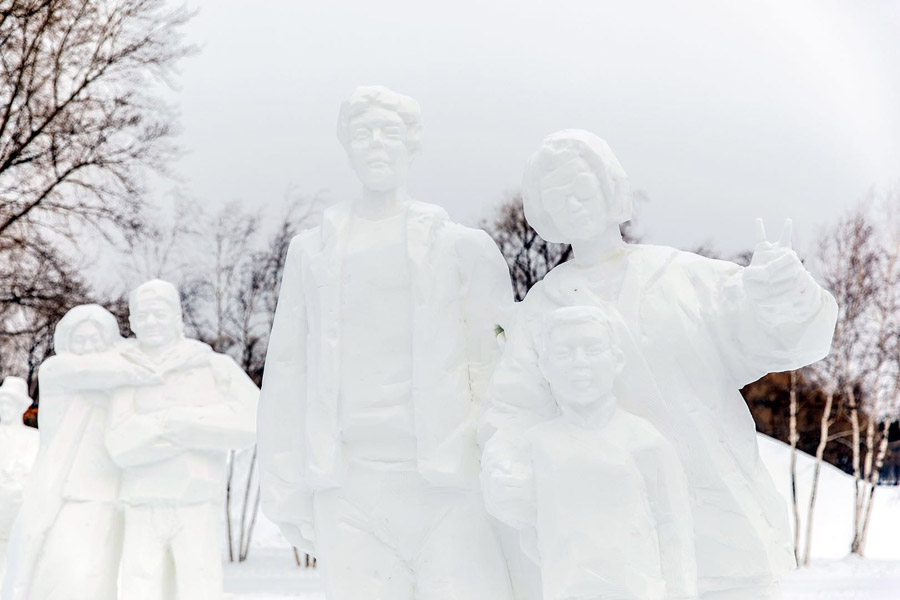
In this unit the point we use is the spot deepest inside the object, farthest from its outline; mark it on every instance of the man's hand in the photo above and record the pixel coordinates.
(776, 279)
(509, 492)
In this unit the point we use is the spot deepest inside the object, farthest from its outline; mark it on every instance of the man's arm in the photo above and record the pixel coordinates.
(134, 439)
(517, 395)
(281, 421)
(100, 371)
(487, 303)
(227, 423)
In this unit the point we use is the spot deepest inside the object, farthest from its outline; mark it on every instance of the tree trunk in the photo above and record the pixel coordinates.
(245, 532)
(858, 490)
(228, 530)
(794, 439)
(824, 426)
(873, 482)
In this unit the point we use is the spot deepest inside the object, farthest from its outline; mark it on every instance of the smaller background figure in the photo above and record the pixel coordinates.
(18, 451)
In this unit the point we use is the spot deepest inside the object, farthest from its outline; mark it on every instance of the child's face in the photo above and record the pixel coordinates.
(580, 364)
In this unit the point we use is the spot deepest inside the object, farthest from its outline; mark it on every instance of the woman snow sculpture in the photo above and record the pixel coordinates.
(18, 449)
(598, 493)
(704, 327)
(68, 539)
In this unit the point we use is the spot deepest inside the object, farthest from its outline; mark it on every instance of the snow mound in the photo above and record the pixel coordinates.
(833, 516)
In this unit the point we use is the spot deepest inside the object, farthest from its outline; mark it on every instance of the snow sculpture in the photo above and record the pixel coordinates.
(701, 329)
(383, 341)
(597, 492)
(68, 538)
(170, 439)
(18, 450)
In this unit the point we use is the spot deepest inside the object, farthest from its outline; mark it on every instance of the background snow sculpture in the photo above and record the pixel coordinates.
(704, 329)
(383, 340)
(18, 450)
(170, 439)
(68, 538)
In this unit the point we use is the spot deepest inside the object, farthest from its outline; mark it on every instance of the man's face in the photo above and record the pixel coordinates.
(86, 338)
(573, 197)
(155, 323)
(377, 149)
(580, 364)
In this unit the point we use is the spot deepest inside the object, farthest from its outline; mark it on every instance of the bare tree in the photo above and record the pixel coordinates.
(847, 263)
(884, 384)
(527, 254)
(79, 120)
(794, 438)
(79, 126)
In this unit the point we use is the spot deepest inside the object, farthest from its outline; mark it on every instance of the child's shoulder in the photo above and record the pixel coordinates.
(636, 432)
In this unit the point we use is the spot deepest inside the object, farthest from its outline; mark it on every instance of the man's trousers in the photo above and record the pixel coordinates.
(389, 535)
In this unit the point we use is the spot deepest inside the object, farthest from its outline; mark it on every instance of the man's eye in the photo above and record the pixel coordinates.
(392, 132)
(360, 134)
(596, 350)
(563, 355)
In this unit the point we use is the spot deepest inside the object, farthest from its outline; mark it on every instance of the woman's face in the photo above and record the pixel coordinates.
(574, 198)
(86, 338)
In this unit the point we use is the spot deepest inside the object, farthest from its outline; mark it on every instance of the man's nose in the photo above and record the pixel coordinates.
(580, 357)
(573, 202)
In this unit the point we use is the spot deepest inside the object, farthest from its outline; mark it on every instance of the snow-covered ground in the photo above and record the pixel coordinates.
(271, 573)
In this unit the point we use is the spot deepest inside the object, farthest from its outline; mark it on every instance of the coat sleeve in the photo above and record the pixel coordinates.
(286, 498)
(757, 336)
(229, 423)
(488, 299)
(133, 438)
(517, 395)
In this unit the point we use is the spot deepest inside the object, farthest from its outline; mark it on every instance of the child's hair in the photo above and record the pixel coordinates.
(576, 315)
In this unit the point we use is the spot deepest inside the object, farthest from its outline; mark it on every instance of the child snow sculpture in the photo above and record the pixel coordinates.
(597, 493)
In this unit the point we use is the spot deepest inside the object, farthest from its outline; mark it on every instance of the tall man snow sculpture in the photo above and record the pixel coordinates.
(383, 341)
(597, 492)
(18, 450)
(170, 439)
(704, 327)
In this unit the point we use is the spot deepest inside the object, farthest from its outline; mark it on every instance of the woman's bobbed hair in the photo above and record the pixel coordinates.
(558, 149)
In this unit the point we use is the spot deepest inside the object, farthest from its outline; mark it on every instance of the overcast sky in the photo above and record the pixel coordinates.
(720, 111)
